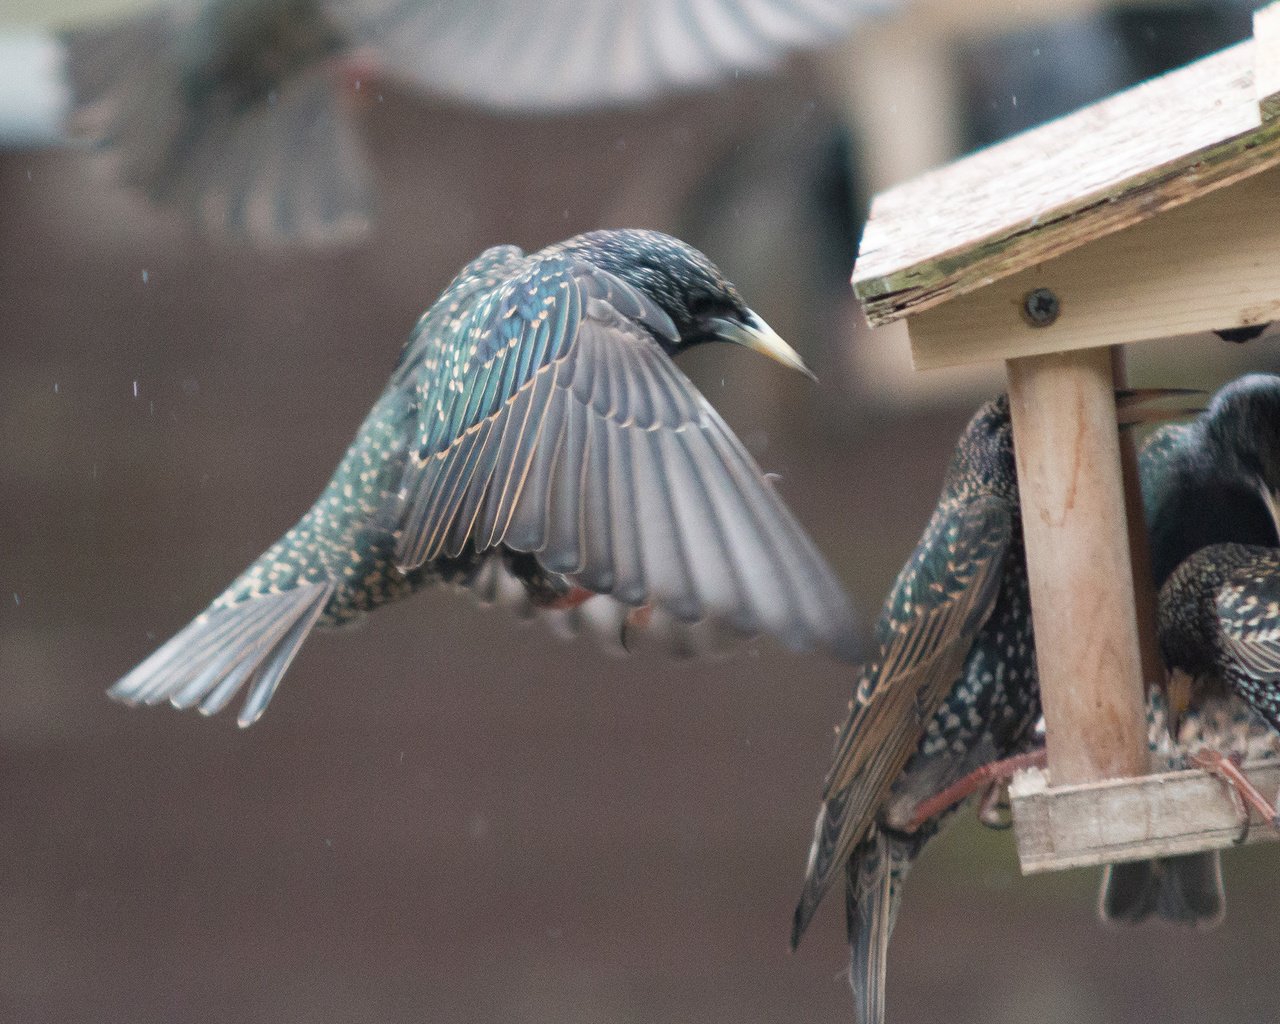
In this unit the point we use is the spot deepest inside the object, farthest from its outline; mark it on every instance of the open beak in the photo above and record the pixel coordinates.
(753, 333)
(1133, 405)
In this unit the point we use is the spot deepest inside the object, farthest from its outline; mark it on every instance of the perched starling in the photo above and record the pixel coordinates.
(1211, 481)
(534, 427)
(953, 687)
(231, 110)
(1220, 629)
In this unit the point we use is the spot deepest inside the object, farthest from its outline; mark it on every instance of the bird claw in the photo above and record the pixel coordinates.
(993, 776)
(995, 811)
(1244, 794)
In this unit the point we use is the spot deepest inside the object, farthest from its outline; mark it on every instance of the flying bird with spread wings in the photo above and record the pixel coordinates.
(535, 435)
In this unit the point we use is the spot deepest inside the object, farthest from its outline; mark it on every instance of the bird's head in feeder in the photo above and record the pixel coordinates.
(1243, 425)
(688, 287)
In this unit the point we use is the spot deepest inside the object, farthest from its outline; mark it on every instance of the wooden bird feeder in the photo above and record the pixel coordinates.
(1152, 215)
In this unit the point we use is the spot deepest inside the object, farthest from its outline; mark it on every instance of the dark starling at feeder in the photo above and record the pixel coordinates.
(1209, 482)
(535, 428)
(952, 687)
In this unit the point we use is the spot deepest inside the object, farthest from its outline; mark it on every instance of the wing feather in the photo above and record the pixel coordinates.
(596, 454)
(950, 594)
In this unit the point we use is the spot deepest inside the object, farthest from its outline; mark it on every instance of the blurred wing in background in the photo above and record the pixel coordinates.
(565, 55)
(234, 112)
(231, 113)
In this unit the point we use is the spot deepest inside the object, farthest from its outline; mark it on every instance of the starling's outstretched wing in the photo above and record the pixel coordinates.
(1248, 606)
(943, 597)
(231, 114)
(557, 425)
(228, 646)
(575, 54)
(448, 324)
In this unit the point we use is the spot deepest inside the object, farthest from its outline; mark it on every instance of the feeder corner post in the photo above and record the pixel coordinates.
(1076, 534)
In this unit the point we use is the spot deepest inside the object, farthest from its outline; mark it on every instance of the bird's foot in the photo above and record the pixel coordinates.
(994, 809)
(1244, 794)
(992, 777)
(636, 619)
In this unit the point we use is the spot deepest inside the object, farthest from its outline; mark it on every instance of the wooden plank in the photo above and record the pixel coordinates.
(1130, 819)
(1144, 591)
(1050, 190)
(1211, 264)
(1069, 480)
(1266, 60)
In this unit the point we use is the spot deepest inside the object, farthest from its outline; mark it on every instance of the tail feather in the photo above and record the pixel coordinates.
(209, 661)
(874, 891)
(1185, 890)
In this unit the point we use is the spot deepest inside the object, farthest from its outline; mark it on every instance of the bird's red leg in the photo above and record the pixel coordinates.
(1243, 792)
(993, 774)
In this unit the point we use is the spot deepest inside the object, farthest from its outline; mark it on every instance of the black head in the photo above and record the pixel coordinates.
(983, 460)
(702, 304)
(1242, 428)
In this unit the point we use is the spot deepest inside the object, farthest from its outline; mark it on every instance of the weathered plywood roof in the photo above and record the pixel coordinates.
(1073, 180)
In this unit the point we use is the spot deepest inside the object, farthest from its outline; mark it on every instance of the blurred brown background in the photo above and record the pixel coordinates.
(445, 816)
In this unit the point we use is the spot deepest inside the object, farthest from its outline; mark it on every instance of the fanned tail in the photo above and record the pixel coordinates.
(226, 648)
(1185, 890)
(876, 873)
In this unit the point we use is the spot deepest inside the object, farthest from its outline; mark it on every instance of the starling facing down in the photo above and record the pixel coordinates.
(534, 427)
(1213, 481)
(1220, 629)
(952, 688)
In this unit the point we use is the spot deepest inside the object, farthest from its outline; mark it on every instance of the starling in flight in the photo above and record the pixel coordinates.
(232, 111)
(535, 428)
(1212, 481)
(952, 687)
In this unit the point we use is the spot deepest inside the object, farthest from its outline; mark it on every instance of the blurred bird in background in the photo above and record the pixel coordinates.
(1213, 481)
(952, 687)
(235, 111)
(535, 436)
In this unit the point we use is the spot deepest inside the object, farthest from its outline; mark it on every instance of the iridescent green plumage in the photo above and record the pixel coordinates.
(953, 686)
(536, 428)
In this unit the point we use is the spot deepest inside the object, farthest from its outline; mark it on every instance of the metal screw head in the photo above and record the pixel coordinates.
(1040, 307)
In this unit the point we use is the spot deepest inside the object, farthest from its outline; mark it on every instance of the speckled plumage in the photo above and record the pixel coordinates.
(1203, 483)
(535, 429)
(1219, 620)
(953, 687)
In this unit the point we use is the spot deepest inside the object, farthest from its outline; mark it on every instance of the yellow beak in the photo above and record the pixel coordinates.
(753, 333)
(1272, 500)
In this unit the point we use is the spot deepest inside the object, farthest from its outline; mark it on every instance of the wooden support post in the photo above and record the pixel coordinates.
(1068, 457)
(1144, 591)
